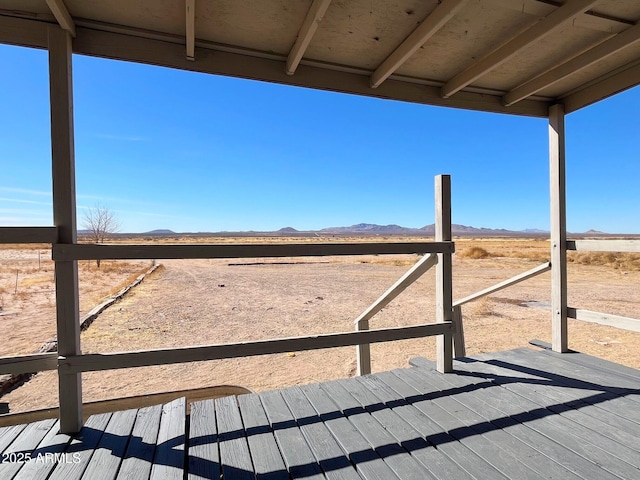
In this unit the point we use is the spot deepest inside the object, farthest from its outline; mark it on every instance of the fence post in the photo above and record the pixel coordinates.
(444, 284)
(558, 229)
(64, 218)
(458, 336)
(363, 351)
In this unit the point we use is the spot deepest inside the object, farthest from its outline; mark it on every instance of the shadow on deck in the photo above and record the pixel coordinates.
(516, 414)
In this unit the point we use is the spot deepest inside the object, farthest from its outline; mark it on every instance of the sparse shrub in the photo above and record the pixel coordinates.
(474, 253)
(483, 307)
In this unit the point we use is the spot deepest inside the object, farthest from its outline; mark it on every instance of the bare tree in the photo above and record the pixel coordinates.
(100, 222)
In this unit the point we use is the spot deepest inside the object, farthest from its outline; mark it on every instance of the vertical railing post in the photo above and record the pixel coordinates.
(557, 187)
(363, 351)
(64, 218)
(444, 282)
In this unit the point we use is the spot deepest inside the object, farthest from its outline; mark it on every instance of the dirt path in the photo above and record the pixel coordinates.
(195, 302)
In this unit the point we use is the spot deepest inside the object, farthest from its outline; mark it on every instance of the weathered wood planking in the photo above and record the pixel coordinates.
(204, 458)
(138, 458)
(448, 458)
(577, 449)
(473, 438)
(561, 453)
(169, 459)
(14, 457)
(234, 450)
(437, 465)
(367, 461)
(108, 454)
(325, 448)
(296, 453)
(382, 442)
(52, 445)
(78, 454)
(267, 460)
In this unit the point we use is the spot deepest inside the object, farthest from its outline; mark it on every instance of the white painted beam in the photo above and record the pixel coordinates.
(557, 187)
(604, 87)
(600, 52)
(496, 58)
(429, 26)
(618, 321)
(60, 11)
(190, 12)
(604, 245)
(306, 33)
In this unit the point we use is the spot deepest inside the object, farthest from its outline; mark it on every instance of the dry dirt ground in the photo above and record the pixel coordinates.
(196, 302)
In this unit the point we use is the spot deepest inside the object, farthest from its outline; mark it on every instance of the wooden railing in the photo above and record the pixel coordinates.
(604, 245)
(72, 363)
(459, 343)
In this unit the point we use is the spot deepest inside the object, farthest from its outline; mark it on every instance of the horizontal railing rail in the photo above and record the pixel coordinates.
(110, 361)
(604, 245)
(545, 267)
(28, 235)
(68, 252)
(37, 362)
(618, 321)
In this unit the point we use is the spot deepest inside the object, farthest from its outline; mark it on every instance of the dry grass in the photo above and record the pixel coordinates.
(474, 253)
(619, 261)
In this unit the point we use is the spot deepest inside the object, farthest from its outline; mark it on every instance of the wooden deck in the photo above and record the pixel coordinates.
(521, 414)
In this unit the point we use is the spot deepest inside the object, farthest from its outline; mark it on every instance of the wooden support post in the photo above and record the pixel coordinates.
(64, 218)
(458, 337)
(444, 284)
(363, 351)
(558, 229)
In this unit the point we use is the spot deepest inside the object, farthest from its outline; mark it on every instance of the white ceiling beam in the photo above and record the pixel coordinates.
(596, 54)
(306, 33)
(63, 17)
(429, 26)
(608, 85)
(190, 35)
(542, 28)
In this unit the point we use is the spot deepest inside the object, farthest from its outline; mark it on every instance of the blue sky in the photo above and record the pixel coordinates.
(189, 152)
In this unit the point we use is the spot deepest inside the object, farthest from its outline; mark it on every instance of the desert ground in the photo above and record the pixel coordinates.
(197, 302)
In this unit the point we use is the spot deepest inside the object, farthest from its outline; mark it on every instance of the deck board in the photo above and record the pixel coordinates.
(446, 457)
(138, 458)
(169, 459)
(515, 414)
(296, 453)
(24, 444)
(108, 455)
(325, 448)
(571, 427)
(235, 457)
(204, 457)
(79, 452)
(526, 422)
(267, 460)
(368, 462)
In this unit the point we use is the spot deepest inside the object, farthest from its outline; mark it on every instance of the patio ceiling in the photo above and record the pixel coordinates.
(508, 56)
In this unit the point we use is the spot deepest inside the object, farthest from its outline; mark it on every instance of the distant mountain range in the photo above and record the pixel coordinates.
(371, 229)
